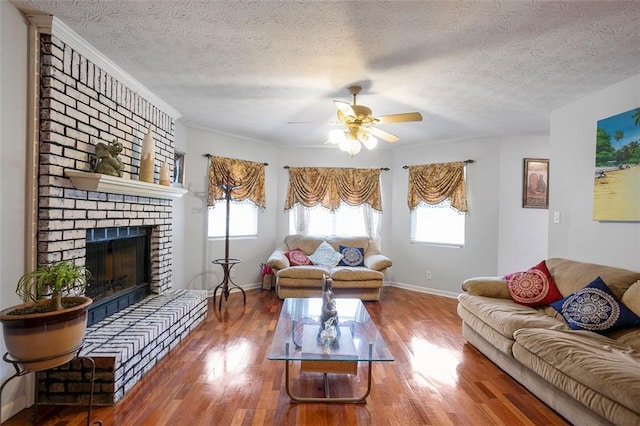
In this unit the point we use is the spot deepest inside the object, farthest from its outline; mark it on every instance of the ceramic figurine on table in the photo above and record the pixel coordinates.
(329, 330)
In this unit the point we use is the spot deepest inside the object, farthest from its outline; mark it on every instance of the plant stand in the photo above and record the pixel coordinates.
(226, 265)
(21, 371)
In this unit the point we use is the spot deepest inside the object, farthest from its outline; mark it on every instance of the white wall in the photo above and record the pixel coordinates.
(449, 266)
(13, 139)
(200, 273)
(573, 134)
(523, 234)
(500, 235)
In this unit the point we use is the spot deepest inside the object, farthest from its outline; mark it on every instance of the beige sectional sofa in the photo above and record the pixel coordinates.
(363, 282)
(589, 378)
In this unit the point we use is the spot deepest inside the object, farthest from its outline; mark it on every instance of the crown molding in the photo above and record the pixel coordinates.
(49, 24)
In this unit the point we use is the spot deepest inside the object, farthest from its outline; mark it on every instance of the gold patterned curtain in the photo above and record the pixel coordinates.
(246, 178)
(434, 183)
(328, 187)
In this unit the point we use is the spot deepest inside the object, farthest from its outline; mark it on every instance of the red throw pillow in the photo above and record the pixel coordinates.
(297, 257)
(533, 287)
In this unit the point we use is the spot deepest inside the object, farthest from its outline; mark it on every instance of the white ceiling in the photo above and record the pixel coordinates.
(472, 68)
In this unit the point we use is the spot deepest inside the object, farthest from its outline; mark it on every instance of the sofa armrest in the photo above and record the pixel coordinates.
(278, 260)
(487, 286)
(377, 262)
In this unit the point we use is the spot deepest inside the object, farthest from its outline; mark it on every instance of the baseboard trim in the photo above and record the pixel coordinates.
(427, 290)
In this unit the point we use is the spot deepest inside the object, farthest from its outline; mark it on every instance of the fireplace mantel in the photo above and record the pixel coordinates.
(116, 185)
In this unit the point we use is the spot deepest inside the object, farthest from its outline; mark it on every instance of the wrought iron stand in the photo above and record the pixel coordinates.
(227, 263)
(21, 371)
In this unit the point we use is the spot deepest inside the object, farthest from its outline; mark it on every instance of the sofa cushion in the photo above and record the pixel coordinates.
(596, 308)
(533, 287)
(589, 359)
(571, 276)
(505, 316)
(307, 243)
(351, 256)
(297, 257)
(325, 255)
(487, 286)
(631, 298)
(304, 272)
(340, 240)
(377, 262)
(353, 273)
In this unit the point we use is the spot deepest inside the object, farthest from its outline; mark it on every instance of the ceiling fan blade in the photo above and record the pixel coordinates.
(381, 134)
(399, 118)
(344, 108)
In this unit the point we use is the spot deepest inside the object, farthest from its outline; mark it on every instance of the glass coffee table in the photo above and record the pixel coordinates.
(297, 338)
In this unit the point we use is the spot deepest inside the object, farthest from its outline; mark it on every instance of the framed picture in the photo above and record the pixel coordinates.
(616, 183)
(178, 168)
(535, 183)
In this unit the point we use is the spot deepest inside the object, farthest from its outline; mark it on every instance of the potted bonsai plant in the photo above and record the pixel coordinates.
(47, 330)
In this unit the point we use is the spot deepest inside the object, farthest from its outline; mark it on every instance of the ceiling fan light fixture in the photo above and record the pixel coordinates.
(350, 145)
(368, 140)
(336, 136)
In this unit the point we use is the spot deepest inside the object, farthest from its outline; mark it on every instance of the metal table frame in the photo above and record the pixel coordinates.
(20, 371)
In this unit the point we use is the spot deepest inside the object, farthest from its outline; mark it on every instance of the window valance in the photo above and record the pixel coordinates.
(435, 183)
(246, 178)
(328, 187)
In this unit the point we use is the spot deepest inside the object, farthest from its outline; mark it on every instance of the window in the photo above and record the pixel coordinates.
(346, 220)
(243, 220)
(437, 225)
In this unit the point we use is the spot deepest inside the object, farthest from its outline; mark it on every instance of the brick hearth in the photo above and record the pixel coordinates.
(125, 346)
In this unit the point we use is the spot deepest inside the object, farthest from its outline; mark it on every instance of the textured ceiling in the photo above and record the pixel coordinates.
(472, 68)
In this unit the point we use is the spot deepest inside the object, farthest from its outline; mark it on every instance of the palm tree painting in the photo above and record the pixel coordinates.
(616, 195)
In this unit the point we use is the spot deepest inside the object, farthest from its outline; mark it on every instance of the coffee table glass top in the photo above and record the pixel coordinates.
(296, 334)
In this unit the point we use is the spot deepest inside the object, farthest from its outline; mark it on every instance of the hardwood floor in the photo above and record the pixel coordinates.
(220, 375)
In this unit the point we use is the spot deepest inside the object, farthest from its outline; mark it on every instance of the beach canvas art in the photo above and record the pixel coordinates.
(616, 194)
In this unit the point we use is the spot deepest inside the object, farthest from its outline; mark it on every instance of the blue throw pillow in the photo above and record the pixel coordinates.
(352, 256)
(595, 308)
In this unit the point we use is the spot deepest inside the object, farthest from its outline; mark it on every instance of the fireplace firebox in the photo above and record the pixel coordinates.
(119, 260)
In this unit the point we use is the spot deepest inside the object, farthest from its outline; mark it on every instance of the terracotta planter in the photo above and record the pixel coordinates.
(42, 341)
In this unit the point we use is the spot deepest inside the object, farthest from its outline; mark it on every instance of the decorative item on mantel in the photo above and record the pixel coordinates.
(148, 157)
(164, 174)
(107, 160)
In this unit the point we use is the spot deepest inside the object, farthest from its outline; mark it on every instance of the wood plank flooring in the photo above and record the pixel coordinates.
(220, 375)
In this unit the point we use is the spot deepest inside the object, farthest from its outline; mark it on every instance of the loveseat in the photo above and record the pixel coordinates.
(589, 377)
(363, 281)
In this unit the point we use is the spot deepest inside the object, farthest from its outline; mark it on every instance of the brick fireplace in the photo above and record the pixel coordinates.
(80, 104)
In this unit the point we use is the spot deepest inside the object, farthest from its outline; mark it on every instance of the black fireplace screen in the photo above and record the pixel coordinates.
(119, 262)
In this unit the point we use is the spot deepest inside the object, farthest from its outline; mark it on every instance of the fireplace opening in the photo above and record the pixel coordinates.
(119, 260)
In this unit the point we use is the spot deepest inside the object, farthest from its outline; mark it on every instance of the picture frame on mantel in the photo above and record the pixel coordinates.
(178, 169)
(535, 183)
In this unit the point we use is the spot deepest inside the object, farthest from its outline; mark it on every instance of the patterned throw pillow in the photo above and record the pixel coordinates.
(533, 287)
(595, 308)
(352, 256)
(325, 255)
(297, 257)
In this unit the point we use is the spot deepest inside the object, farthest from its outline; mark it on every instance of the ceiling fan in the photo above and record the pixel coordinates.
(360, 116)
(359, 124)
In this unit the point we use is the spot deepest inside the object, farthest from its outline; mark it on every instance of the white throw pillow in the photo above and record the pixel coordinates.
(325, 255)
